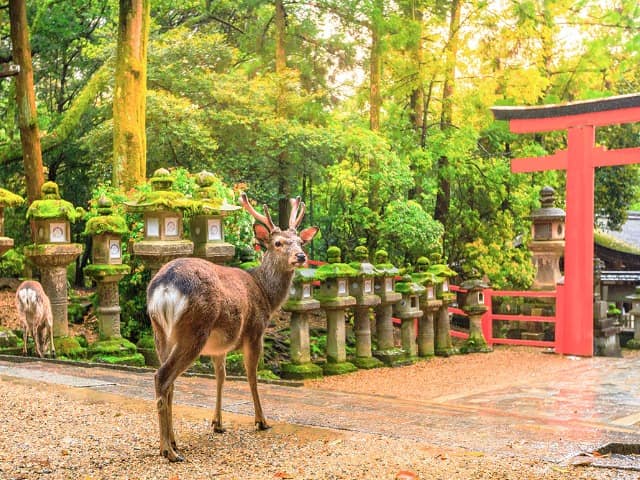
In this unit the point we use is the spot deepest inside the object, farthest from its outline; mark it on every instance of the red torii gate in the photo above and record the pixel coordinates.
(574, 330)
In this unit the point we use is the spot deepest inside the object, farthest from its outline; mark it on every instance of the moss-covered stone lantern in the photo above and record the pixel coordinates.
(634, 298)
(207, 219)
(475, 308)
(52, 252)
(334, 298)
(362, 288)
(7, 199)
(442, 272)
(384, 287)
(162, 211)
(301, 303)
(408, 310)
(429, 305)
(106, 269)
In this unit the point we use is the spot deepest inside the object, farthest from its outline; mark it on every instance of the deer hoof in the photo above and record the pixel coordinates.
(262, 425)
(217, 427)
(172, 455)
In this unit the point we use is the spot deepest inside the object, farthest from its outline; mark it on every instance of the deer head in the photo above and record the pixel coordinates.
(282, 246)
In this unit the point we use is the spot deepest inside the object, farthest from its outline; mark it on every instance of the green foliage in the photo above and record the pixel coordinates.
(12, 264)
(407, 231)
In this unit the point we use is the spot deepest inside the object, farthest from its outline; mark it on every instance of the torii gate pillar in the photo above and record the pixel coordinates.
(574, 332)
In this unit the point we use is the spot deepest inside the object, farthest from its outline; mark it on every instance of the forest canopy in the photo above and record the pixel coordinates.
(376, 112)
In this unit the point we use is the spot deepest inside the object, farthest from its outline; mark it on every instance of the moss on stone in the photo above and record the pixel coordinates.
(367, 363)
(304, 371)
(334, 270)
(106, 224)
(111, 347)
(105, 270)
(10, 199)
(8, 339)
(69, 347)
(340, 368)
(267, 375)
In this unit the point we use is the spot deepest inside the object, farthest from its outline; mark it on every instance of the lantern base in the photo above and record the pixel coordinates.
(339, 368)
(302, 371)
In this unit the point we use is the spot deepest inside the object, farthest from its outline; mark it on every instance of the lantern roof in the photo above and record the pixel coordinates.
(10, 199)
(105, 221)
(52, 206)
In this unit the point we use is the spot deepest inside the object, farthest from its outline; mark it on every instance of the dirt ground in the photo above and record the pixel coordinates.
(57, 432)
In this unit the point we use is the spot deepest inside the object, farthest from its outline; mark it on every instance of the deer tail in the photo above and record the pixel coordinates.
(166, 306)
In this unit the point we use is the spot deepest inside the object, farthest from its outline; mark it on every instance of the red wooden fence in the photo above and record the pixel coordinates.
(489, 317)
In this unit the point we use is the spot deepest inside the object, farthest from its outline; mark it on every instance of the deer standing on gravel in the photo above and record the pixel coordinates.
(34, 311)
(200, 308)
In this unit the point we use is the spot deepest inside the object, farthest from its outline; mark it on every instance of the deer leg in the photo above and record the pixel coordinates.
(25, 339)
(37, 338)
(52, 348)
(252, 350)
(178, 361)
(219, 366)
(172, 436)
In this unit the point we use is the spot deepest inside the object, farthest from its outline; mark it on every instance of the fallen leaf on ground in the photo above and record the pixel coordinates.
(406, 475)
(282, 475)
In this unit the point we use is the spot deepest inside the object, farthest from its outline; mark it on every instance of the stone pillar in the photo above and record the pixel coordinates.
(443, 344)
(384, 326)
(336, 336)
(52, 261)
(108, 311)
(427, 328)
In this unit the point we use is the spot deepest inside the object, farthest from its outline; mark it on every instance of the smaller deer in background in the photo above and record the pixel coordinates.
(34, 311)
(200, 308)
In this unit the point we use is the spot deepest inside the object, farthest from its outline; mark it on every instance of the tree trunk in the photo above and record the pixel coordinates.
(129, 102)
(281, 112)
(375, 98)
(443, 199)
(26, 100)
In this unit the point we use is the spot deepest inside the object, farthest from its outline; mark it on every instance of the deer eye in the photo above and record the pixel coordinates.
(277, 243)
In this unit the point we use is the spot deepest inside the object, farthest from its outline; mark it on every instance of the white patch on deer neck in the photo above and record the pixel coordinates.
(166, 306)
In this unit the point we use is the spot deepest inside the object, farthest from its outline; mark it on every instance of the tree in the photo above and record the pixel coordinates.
(26, 101)
(129, 96)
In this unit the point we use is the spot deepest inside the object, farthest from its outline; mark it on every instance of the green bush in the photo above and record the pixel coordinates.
(12, 264)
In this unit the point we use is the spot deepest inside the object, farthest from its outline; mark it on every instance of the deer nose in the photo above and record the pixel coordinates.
(301, 257)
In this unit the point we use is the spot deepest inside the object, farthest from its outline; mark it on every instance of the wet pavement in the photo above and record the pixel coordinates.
(586, 406)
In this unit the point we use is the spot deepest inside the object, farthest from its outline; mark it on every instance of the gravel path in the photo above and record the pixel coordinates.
(56, 432)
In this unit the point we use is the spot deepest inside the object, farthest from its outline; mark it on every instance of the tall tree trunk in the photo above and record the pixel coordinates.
(26, 100)
(129, 102)
(443, 199)
(375, 98)
(284, 188)
(417, 95)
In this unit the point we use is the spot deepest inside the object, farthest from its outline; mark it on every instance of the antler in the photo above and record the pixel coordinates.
(264, 219)
(296, 216)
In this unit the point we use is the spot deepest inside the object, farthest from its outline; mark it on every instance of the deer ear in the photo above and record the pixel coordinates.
(262, 234)
(307, 234)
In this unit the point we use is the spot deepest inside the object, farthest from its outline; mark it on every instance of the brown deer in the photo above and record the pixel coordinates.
(34, 311)
(199, 308)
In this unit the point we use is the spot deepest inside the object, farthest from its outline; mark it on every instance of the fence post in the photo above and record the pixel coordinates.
(560, 333)
(487, 318)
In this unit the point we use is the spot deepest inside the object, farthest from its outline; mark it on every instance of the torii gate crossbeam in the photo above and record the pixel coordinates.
(574, 334)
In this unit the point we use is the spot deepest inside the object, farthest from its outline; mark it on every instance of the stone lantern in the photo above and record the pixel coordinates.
(52, 252)
(107, 269)
(334, 298)
(547, 246)
(474, 307)
(429, 305)
(301, 303)
(162, 215)
(7, 199)
(384, 288)
(362, 288)
(634, 298)
(408, 310)
(207, 221)
(443, 344)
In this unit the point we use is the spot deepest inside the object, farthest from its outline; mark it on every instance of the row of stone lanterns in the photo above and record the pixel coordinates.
(361, 286)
